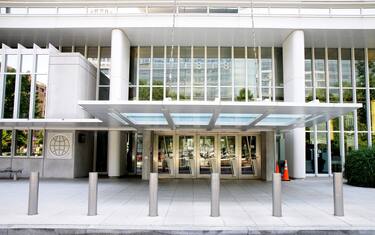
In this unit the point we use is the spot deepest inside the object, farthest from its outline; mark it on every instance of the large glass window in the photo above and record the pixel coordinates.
(266, 73)
(6, 142)
(10, 83)
(308, 75)
(252, 71)
(133, 73)
(239, 63)
(171, 77)
(333, 76)
(226, 73)
(21, 143)
(185, 73)
(279, 82)
(212, 73)
(310, 152)
(158, 73)
(199, 73)
(105, 66)
(41, 84)
(319, 63)
(322, 152)
(144, 73)
(37, 138)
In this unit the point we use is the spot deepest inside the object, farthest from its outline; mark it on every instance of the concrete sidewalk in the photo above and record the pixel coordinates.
(184, 205)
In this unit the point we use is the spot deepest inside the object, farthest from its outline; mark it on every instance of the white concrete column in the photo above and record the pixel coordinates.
(146, 155)
(294, 91)
(120, 63)
(114, 154)
(119, 90)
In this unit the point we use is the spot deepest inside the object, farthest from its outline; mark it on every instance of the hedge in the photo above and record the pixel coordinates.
(360, 167)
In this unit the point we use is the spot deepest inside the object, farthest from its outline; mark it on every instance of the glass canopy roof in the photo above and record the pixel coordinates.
(214, 114)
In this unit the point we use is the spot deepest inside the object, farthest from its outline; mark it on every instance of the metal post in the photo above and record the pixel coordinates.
(93, 194)
(215, 195)
(276, 195)
(33, 193)
(153, 198)
(338, 196)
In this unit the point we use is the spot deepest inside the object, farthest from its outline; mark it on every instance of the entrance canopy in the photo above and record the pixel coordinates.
(209, 115)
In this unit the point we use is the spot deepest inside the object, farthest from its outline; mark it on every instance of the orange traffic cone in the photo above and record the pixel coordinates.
(286, 172)
(277, 168)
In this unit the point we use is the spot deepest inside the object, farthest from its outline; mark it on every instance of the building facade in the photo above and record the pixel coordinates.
(185, 89)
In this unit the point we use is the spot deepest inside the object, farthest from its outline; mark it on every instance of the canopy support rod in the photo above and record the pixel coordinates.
(258, 119)
(213, 119)
(169, 119)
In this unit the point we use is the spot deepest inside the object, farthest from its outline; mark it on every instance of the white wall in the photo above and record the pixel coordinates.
(71, 78)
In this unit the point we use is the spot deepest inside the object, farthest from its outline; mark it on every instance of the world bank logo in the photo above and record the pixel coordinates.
(59, 145)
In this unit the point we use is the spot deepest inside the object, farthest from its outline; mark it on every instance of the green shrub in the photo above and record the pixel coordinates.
(360, 167)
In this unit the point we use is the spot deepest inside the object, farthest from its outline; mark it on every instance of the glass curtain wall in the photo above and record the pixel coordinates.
(25, 77)
(206, 73)
(338, 75)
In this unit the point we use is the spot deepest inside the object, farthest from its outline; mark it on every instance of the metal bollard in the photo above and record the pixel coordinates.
(93, 194)
(215, 195)
(276, 195)
(33, 193)
(153, 197)
(338, 195)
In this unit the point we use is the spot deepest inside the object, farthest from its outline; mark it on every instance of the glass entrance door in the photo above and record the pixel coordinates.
(250, 164)
(165, 155)
(228, 162)
(207, 160)
(186, 155)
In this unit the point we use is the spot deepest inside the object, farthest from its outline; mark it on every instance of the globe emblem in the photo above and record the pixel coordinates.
(59, 145)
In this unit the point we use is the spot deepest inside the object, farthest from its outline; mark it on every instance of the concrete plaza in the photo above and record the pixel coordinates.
(184, 204)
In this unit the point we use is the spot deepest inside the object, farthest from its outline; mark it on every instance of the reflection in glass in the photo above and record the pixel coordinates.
(198, 73)
(362, 140)
(165, 155)
(266, 72)
(346, 67)
(248, 155)
(207, 160)
(310, 153)
(10, 82)
(359, 55)
(251, 73)
(335, 152)
(21, 143)
(361, 112)
(40, 96)
(6, 142)
(228, 155)
(25, 96)
(212, 73)
(133, 73)
(185, 73)
(186, 155)
(322, 152)
(239, 73)
(349, 142)
(157, 73)
(319, 63)
(144, 73)
(37, 137)
(333, 67)
(226, 73)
